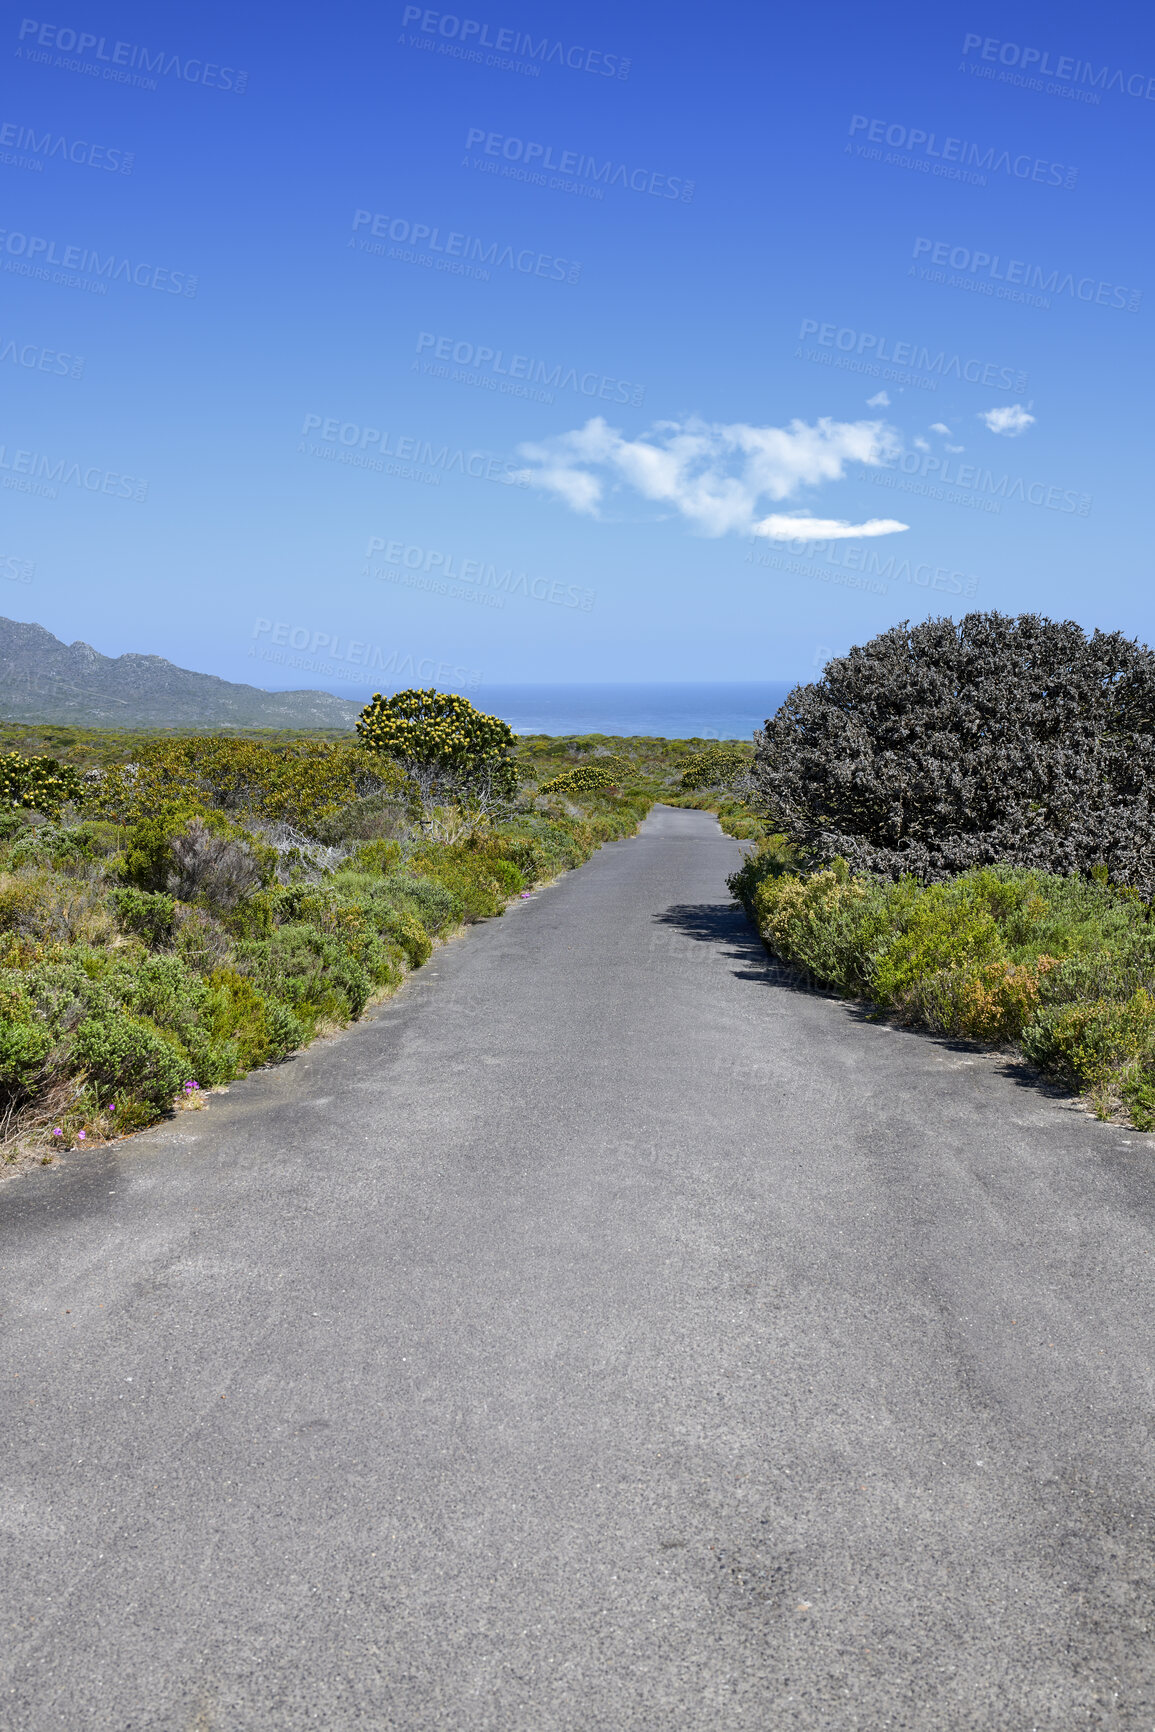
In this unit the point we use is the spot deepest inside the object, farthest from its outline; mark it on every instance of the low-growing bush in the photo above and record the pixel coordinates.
(427, 899)
(129, 1053)
(309, 970)
(259, 1029)
(219, 901)
(584, 779)
(65, 849)
(54, 907)
(222, 869)
(1063, 967)
(42, 784)
(381, 855)
(482, 883)
(149, 914)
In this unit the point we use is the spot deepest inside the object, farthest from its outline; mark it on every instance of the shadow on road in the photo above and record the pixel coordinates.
(724, 926)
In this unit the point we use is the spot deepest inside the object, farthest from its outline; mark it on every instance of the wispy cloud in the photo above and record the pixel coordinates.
(824, 528)
(719, 476)
(880, 400)
(939, 427)
(1010, 419)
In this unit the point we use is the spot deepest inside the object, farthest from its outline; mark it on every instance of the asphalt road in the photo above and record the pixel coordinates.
(608, 1334)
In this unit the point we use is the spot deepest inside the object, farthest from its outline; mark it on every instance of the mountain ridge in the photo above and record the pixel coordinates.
(43, 679)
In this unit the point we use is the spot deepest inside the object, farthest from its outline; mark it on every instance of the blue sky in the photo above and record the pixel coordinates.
(846, 268)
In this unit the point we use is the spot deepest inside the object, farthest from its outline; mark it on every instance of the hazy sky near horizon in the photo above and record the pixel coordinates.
(559, 342)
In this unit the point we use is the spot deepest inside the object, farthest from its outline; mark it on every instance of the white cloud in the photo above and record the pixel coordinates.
(880, 400)
(1011, 420)
(920, 444)
(824, 528)
(955, 448)
(939, 427)
(716, 475)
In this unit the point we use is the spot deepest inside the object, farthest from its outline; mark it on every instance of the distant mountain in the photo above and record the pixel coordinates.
(44, 680)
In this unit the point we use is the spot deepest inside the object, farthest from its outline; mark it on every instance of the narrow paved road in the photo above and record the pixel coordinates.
(607, 1335)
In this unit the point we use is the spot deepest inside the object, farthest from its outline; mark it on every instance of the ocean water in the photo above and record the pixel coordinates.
(726, 710)
(723, 711)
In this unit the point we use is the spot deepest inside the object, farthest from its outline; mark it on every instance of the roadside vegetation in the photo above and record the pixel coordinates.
(958, 831)
(176, 910)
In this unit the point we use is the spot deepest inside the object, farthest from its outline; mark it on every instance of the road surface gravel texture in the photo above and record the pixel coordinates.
(609, 1333)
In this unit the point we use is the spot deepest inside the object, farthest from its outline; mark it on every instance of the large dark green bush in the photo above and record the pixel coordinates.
(937, 747)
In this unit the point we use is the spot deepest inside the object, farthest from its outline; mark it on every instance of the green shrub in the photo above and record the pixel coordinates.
(426, 899)
(128, 1053)
(381, 855)
(203, 942)
(309, 970)
(1063, 966)
(50, 846)
(377, 817)
(24, 1049)
(43, 904)
(149, 914)
(190, 852)
(717, 767)
(147, 861)
(481, 882)
(527, 854)
(388, 914)
(257, 1028)
(59, 991)
(946, 926)
(161, 988)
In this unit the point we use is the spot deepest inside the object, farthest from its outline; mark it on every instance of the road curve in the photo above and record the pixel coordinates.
(607, 1334)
